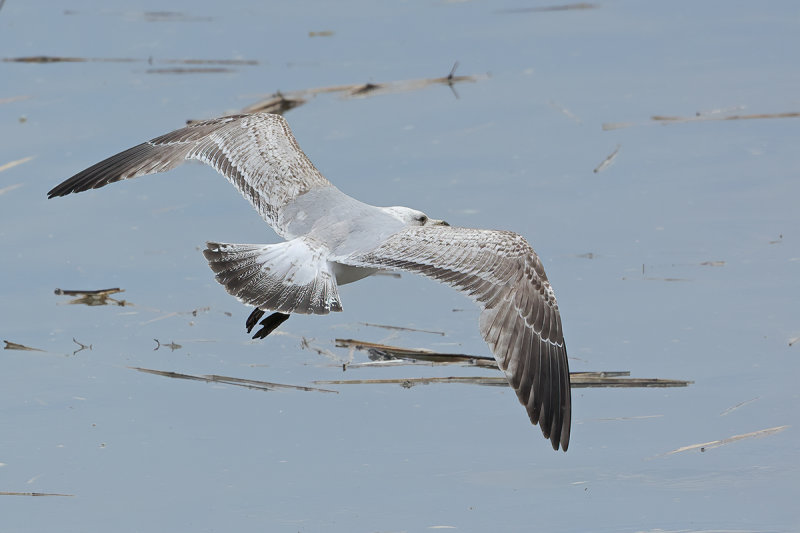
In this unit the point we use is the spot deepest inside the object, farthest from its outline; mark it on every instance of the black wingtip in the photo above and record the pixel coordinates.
(57, 191)
(77, 183)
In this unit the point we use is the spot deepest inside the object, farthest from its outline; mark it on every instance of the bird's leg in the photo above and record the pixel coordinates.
(268, 325)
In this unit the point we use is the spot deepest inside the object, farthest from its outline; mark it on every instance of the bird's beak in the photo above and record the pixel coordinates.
(434, 222)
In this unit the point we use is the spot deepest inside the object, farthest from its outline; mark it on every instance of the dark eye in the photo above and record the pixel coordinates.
(423, 219)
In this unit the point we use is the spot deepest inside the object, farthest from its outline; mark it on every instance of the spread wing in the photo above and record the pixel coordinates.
(257, 153)
(520, 320)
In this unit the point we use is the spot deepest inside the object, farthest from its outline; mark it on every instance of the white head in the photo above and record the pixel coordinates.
(412, 217)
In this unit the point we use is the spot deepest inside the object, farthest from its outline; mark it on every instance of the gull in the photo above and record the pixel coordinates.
(332, 239)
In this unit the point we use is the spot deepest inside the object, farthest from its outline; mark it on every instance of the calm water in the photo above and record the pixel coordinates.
(694, 272)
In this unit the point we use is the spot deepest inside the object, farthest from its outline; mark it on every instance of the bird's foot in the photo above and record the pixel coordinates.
(268, 325)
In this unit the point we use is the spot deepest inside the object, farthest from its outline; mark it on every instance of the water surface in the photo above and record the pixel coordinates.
(680, 259)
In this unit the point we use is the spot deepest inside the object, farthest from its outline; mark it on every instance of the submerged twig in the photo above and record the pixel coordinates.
(190, 70)
(240, 382)
(14, 346)
(12, 164)
(308, 344)
(379, 351)
(401, 328)
(10, 188)
(545, 9)
(11, 99)
(172, 345)
(626, 418)
(702, 118)
(577, 380)
(93, 297)
(703, 446)
(280, 102)
(607, 161)
(150, 60)
(81, 346)
(566, 112)
(729, 410)
(410, 382)
(9, 493)
(698, 117)
(383, 353)
(276, 103)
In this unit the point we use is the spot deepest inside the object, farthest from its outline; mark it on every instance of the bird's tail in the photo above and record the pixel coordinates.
(289, 277)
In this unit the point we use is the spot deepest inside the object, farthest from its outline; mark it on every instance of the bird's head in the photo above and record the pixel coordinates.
(412, 217)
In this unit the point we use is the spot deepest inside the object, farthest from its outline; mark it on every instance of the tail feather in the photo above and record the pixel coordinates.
(289, 277)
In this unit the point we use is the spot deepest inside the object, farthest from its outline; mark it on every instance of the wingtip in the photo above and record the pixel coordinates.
(55, 192)
(561, 442)
(69, 186)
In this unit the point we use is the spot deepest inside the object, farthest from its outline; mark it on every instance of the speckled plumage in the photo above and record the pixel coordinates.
(257, 153)
(334, 239)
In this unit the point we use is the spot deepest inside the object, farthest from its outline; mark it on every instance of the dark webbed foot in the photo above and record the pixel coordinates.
(268, 325)
(253, 319)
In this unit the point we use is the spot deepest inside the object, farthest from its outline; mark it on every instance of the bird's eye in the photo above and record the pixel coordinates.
(423, 219)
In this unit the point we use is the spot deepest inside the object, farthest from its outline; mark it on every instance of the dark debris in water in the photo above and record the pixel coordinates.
(173, 16)
(380, 354)
(194, 66)
(277, 103)
(93, 297)
(172, 345)
(148, 16)
(81, 346)
(15, 346)
(383, 352)
(9, 493)
(703, 118)
(704, 446)
(607, 161)
(546, 9)
(715, 116)
(280, 102)
(190, 70)
(229, 380)
(578, 380)
(227, 62)
(402, 328)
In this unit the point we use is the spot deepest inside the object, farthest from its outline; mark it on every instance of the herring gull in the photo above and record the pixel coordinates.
(333, 239)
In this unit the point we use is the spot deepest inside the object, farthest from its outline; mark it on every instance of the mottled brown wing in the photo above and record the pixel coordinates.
(520, 320)
(257, 153)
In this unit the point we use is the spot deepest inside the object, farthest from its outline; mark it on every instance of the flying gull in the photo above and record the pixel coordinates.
(333, 239)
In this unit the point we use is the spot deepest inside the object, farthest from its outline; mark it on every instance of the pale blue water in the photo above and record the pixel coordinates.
(144, 453)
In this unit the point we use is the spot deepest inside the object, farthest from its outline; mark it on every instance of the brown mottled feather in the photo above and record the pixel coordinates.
(257, 153)
(520, 320)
